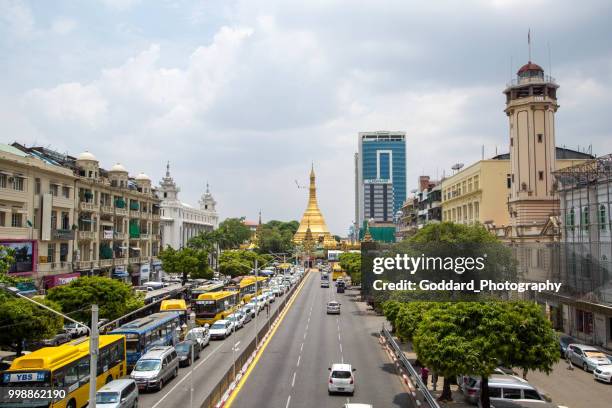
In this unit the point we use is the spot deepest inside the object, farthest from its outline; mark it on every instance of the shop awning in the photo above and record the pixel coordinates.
(120, 274)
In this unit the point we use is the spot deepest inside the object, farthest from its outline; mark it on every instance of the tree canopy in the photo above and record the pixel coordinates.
(189, 262)
(241, 262)
(351, 263)
(232, 232)
(114, 298)
(276, 236)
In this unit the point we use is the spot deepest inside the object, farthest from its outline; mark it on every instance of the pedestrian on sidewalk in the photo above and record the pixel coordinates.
(434, 380)
(570, 366)
(424, 375)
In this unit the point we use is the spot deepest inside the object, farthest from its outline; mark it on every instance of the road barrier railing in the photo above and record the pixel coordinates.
(220, 392)
(420, 394)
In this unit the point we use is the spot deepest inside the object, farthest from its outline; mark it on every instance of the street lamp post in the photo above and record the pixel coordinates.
(93, 338)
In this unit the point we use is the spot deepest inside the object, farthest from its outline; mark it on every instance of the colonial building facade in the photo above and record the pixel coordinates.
(78, 218)
(179, 221)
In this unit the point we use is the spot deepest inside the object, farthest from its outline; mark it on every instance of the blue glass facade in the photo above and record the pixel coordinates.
(386, 160)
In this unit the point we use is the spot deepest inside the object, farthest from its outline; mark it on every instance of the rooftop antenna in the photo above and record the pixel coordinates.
(482, 152)
(529, 42)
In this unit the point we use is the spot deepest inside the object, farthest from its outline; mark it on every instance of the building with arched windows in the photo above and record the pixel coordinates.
(180, 221)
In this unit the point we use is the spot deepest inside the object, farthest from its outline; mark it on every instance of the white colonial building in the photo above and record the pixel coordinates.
(181, 221)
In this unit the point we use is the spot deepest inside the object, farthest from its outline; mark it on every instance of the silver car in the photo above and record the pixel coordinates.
(333, 307)
(118, 394)
(587, 357)
(158, 366)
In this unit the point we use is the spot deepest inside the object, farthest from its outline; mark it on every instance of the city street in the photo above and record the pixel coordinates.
(293, 369)
(572, 388)
(215, 360)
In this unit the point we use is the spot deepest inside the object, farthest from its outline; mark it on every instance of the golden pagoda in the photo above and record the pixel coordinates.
(313, 220)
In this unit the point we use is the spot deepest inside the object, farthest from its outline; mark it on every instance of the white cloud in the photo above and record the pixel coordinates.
(17, 17)
(63, 25)
(69, 102)
(120, 5)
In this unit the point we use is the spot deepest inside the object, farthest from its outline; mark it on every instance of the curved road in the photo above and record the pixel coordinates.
(293, 369)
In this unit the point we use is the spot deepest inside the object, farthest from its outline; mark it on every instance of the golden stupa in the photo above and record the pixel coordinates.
(313, 220)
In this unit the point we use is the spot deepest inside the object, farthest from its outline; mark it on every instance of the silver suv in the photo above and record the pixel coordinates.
(158, 366)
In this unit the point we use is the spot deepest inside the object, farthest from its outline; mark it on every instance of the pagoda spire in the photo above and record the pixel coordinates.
(313, 219)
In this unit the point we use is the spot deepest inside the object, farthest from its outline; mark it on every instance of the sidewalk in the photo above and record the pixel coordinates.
(458, 400)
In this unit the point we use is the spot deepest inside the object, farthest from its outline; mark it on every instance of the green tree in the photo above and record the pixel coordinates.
(408, 318)
(533, 344)
(22, 321)
(351, 263)
(390, 309)
(461, 338)
(241, 262)
(232, 233)
(189, 262)
(114, 298)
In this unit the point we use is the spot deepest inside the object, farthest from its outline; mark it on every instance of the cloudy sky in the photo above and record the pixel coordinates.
(245, 94)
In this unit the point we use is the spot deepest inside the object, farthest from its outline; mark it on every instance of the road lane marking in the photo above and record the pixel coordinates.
(187, 375)
(288, 401)
(293, 381)
(340, 347)
(302, 347)
(249, 370)
(298, 362)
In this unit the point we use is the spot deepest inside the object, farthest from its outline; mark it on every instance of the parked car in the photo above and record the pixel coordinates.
(118, 394)
(156, 367)
(357, 405)
(587, 357)
(603, 372)
(75, 330)
(564, 341)
(59, 338)
(333, 307)
(325, 284)
(199, 334)
(509, 387)
(221, 329)
(188, 351)
(341, 379)
(469, 385)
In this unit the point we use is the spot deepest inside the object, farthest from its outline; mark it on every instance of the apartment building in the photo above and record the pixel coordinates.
(37, 216)
(88, 221)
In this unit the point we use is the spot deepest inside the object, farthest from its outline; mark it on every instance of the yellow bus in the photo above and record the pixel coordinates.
(209, 287)
(337, 272)
(213, 306)
(176, 305)
(247, 287)
(66, 367)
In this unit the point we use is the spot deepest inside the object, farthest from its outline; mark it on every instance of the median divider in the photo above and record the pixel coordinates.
(419, 393)
(226, 386)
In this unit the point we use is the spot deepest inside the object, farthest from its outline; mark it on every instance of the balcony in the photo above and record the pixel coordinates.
(120, 261)
(134, 260)
(155, 217)
(62, 234)
(145, 236)
(134, 214)
(85, 206)
(156, 237)
(123, 212)
(107, 209)
(87, 235)
(54, 267)
(121, 236)
(144, 259)
(105, 263)
(84, 265)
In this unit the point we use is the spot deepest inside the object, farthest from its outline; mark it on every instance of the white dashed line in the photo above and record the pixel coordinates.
(293, 381)
(288, 401)
(298, 362)
(302, 347)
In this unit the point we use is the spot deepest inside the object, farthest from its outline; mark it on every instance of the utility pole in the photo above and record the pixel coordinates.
(256, 307)
(93, 355)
